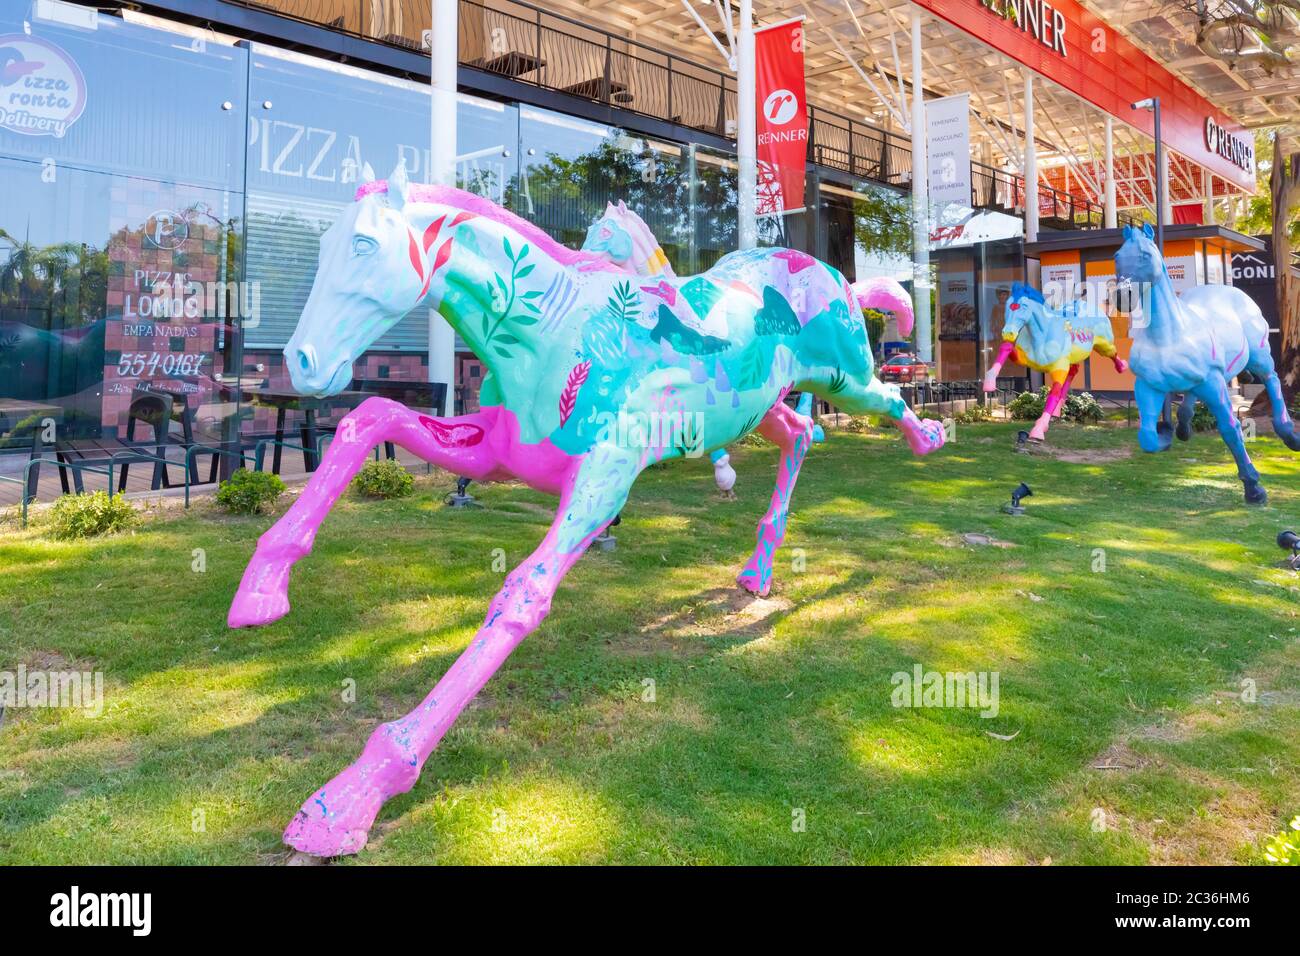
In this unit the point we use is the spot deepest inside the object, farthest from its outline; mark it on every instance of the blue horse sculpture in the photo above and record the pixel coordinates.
(1196, 344)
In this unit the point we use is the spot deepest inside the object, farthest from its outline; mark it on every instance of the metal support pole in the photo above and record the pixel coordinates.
(746, 129)
(1111, 213)
(1031, 164)
(443, 54)
(920, 204)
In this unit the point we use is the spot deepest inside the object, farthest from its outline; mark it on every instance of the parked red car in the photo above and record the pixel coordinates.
(904, 368)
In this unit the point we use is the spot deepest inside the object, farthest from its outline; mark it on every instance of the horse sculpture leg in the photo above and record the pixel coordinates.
(792, 433)
(457, 444)
(1214, 393)
(1065, 392)
(1186, 412)
(1260, 364)
(1054, 400)
(1153, 433)
(337, 818)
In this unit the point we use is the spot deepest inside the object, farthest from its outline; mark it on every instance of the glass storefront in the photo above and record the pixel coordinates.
(121, 221)
(164, 193)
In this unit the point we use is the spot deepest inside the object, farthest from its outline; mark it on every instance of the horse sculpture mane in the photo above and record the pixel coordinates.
(482, 206)
(1021, 290)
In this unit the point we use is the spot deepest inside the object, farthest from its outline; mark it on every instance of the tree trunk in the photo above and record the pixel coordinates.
(1284, 185)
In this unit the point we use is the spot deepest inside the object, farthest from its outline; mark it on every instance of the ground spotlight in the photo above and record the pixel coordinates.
(1290, 541)
(1022, 490)
(461, 498)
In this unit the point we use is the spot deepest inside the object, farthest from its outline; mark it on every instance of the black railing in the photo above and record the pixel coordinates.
(839, 142)
(554, 52)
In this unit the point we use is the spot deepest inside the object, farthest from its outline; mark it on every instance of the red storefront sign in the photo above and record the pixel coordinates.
(782, 117)
(1079, 51)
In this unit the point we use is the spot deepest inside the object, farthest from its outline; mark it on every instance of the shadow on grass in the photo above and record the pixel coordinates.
(756, 718)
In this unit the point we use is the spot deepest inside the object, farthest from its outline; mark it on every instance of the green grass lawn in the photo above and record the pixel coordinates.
(1120, 690)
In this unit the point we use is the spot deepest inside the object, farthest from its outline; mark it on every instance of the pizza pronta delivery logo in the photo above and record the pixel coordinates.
(42, 91)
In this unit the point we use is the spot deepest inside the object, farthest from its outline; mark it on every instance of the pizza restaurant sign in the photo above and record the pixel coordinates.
(1038, 18)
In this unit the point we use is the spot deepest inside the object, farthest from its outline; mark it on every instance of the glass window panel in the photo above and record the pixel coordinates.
(120, 223)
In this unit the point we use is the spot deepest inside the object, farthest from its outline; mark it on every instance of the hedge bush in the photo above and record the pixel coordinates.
(1079, 407)
(248, 492)
(90, 515)
(383, 479)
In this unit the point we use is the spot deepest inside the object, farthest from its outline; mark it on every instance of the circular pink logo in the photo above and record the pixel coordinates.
(42, 91)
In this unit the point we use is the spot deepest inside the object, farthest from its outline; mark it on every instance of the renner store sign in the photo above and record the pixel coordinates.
(1064, 42)
(1038, 18)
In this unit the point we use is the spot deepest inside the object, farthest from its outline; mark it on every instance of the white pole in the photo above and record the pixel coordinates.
(1031, 164)
(442, 171)
(920, 203)
(746, 128)
(1207, 187)
(1112, 214)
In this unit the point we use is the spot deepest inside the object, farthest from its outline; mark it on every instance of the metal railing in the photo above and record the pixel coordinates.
(554, 52)
(858, 149)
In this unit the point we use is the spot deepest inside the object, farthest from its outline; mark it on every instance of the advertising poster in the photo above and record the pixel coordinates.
(947, 136)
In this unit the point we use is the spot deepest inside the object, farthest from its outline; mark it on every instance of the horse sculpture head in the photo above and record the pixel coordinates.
(1026, 308)
(622, 237)
(1039, 329)
(1138, 259)
(399, 246)
(365, 281)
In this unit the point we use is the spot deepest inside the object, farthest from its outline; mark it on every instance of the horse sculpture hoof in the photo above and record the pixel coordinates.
(263, 594)
(750, 581)
(253, 609)
(1183, 431)
(1255, 493)
(1164, 436)
(336, 819)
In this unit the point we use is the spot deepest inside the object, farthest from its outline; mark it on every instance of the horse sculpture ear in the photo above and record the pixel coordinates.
(367, 174)
(398, 186)
(1128, 233)
(1148, 231)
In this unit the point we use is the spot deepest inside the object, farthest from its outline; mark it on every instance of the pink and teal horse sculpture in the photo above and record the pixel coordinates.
(1055, 342)
(1195, 344)
(586, 366)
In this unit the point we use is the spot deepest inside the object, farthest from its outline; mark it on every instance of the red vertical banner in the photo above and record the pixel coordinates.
(782, 117)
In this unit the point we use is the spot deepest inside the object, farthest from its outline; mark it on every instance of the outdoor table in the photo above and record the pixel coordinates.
(513, 63)
(594, 89)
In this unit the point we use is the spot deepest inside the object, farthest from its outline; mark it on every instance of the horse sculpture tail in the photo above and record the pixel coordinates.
(886, 294)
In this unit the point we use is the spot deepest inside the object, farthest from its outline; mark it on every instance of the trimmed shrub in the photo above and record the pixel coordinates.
(90, 515)
(973, 415)
(383, 479)
(1203, 419)
(248, 492)
(1079, 407)
(1028, 406)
